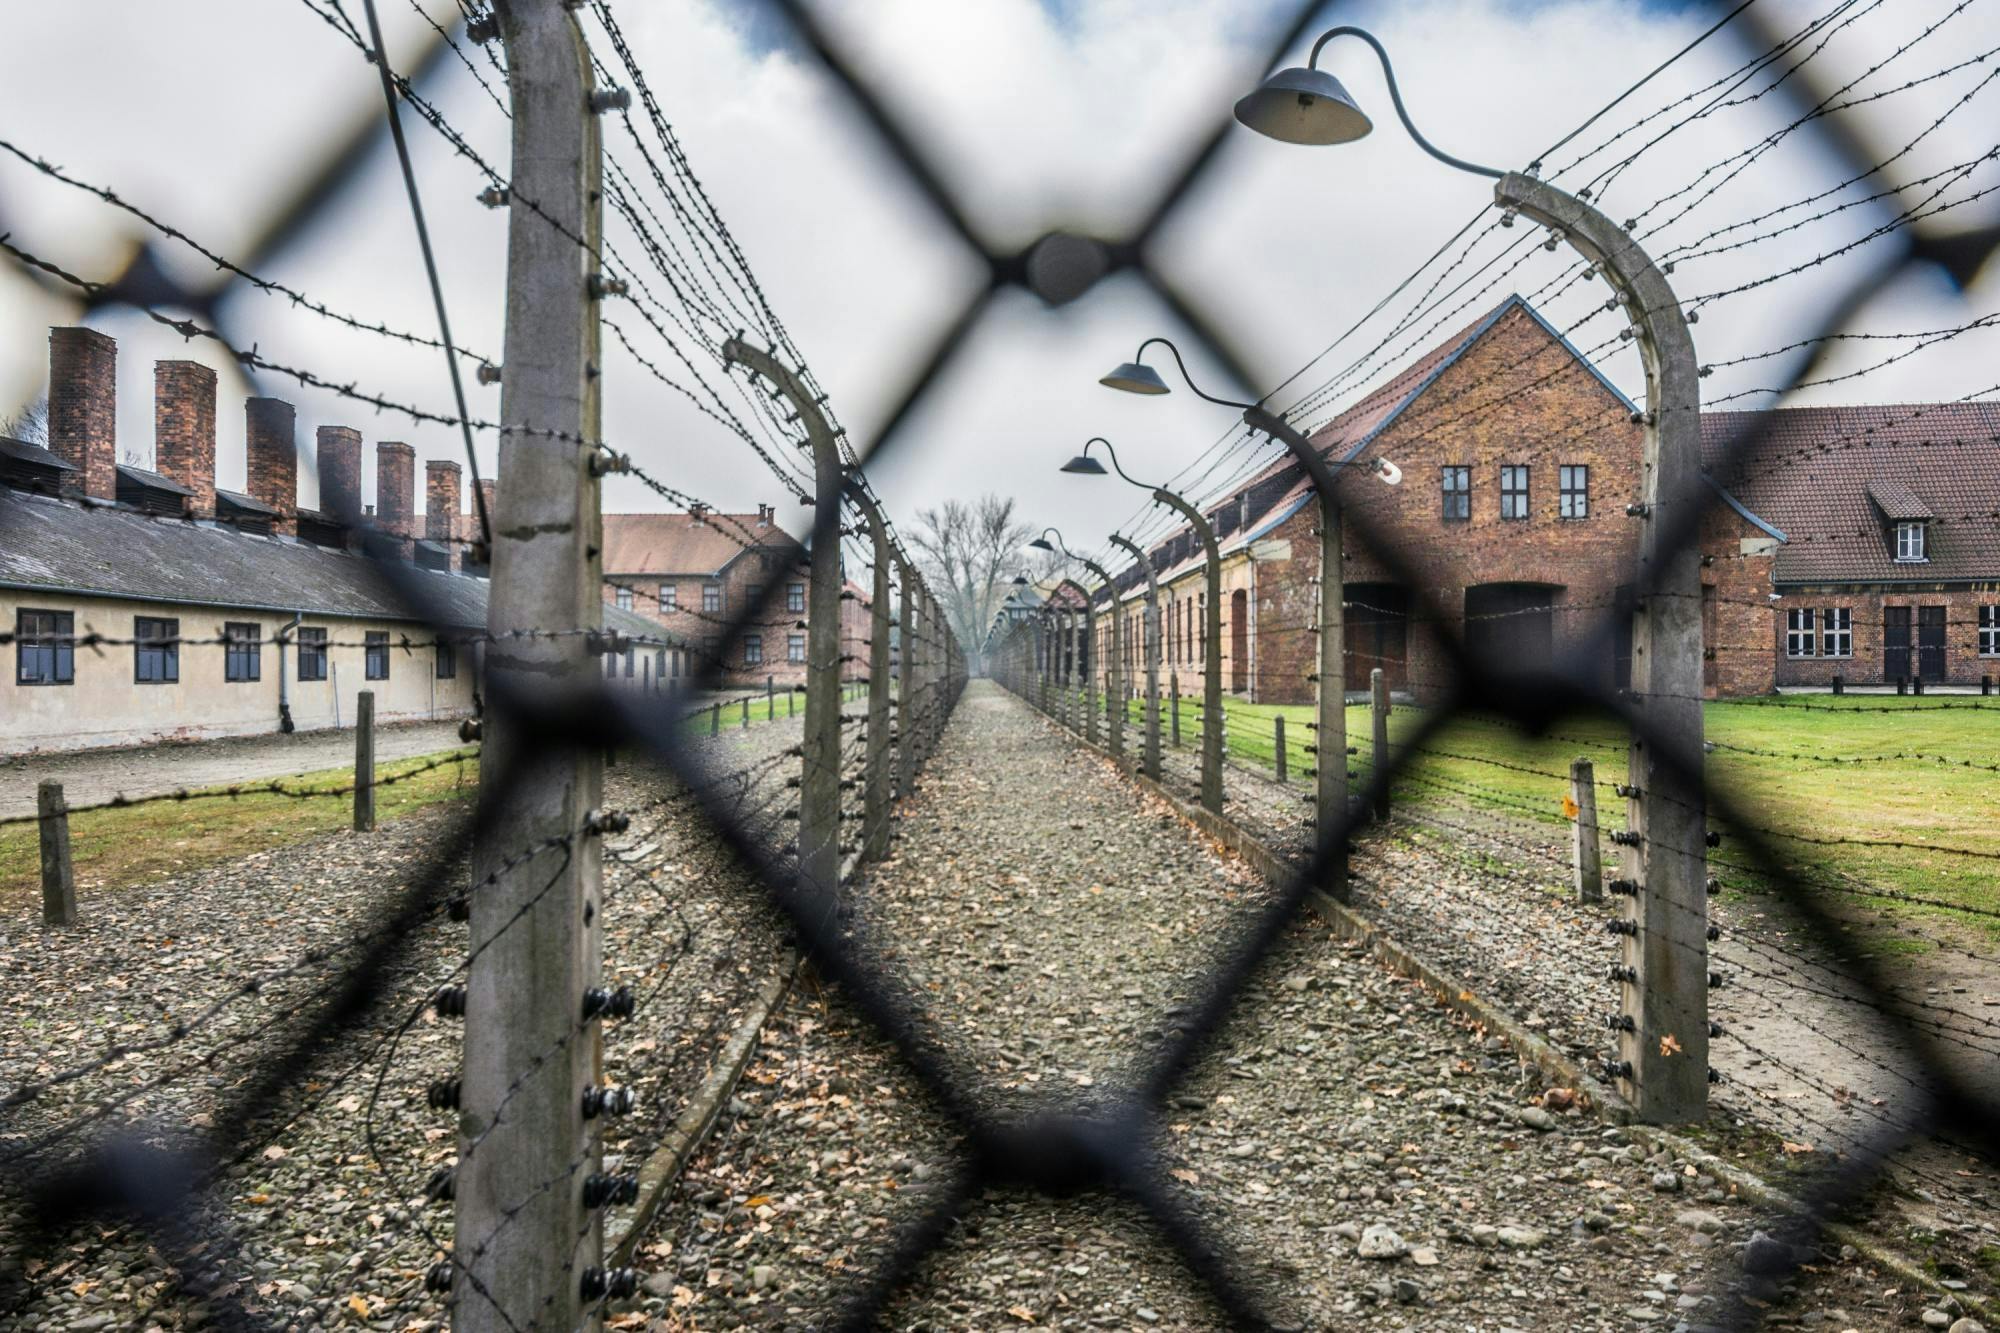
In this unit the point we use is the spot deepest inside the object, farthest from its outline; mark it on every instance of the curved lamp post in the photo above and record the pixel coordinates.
(1666, 1080)
(1330, 681)
(1211, 658)
(1149, 640)
(1041, 543)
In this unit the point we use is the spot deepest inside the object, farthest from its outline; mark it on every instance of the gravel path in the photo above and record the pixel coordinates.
(91, 776)
(1363, 1155)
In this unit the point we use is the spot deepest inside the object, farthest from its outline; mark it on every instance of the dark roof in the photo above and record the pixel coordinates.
(152, 480)
(679, 543)
(58, 547)
(242, 501)
(23, 452)
(1833, 478)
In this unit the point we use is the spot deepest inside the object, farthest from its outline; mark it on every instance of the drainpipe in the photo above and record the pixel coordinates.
(285, 723)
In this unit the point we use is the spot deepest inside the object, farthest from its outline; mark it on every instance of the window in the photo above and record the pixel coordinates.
(1574, 493)
(1457, 487)
(629, 656)
(375, 654)
(1910, 541)
(44, 648)
(1514, 490)
(711, 596)
(795, 647)
(795, 597)
(753, 649)
(1989, 631)
(312, 654)
(670, 598)
(242, 651)
(1799, 633)
(447, 660)
(1836, 636)
(622, 598)
(156, 650)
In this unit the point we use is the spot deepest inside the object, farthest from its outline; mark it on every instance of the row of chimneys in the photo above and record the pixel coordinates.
(83, 431)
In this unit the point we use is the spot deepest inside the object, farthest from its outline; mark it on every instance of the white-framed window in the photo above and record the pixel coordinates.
(1836, 635)
(1799, 632)
(1575, 490)
(1514, 491)
(1989, 631)
(622, 597)
(795, 597)
(670, 598)
(795, 647)
(711, 597)
(753, 649)
(1910, 542)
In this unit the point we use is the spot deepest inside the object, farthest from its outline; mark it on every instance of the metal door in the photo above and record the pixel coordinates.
(1895, 643)
(1930, 643)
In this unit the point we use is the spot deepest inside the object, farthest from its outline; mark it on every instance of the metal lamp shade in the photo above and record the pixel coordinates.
(1040, 544)
(1134, 377)
(1306, 106)
(1084, 465)
(1020, 581)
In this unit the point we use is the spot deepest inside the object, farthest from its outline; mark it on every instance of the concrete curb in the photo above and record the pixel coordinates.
(1352, 925)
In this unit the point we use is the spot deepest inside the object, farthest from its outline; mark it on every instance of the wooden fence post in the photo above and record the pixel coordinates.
(1588, 853)
(1278, 747)
(746, 712)
(770, 698)
(715, 718)
(58, 875)
(364, 762)
(1174, 707)
(1378, 706)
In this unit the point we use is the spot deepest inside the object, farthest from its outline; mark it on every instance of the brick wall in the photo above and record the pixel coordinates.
(184, 430)
(1737, 619)
(396, 491)
(1866, 609)
(702, 631)
(272, 458)
(83, 409)
(441, 506)
(340, 473)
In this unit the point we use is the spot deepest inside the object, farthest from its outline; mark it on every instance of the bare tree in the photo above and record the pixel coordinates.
(30, 425)
(969, 554)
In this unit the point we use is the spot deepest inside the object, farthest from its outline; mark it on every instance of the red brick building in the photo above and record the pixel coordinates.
(694, 572)
(1519, 458)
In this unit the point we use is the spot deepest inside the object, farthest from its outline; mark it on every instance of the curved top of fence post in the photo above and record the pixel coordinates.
(1152, 576)
(738, 351)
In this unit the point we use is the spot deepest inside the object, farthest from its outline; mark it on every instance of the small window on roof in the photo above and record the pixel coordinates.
(1910, 542)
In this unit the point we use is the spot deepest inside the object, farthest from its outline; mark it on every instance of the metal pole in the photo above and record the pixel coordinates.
(1667, 863)
(1587, 853)
(1150, 645)
(875, 787)
(58, 873)
(364, 762)
(819, 786)
(522, 1234)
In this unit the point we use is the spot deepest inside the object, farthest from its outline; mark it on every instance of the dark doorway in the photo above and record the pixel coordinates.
(1930, 643)
(1239, 641)
(1378, 634)
(1511, 625)
(1895, 643)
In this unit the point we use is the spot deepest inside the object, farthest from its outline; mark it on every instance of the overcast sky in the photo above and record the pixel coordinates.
(1063, 114)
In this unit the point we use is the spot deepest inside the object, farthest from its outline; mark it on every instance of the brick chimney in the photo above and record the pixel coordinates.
(340, 474)
(441, 502)
(184, 430)
(83, 410)
(272, 454)
(396, 491)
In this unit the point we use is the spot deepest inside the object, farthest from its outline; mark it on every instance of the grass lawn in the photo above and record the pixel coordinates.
(114, 848)
(1887, 788)
(758, 709)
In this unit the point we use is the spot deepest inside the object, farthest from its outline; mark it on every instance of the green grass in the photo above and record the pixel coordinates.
(117, 848)
(1884, 793)
(779, 707)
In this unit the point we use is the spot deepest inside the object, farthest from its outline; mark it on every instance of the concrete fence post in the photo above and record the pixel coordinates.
(364, 762)
(876, 775)
(770, 698)
(746, 713)
(715, 718)
(1174, 707)
(58, 874)
(1588, 853)
(906, 678)
(1278, 746)
(1378, 708)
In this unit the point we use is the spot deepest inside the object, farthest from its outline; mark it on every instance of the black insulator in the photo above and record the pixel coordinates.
(1714, 839)
(1617, 1068)
(1714, 1028)
(469, 730)
(483, 29)
(459, 908)
(598, 1002)
(1621, 927)
(1715, 932)
(607, 821)
(607, 1100)
(438, 1276)
(1625, 838)
(600, 1190)
(1714, 1076)
(1628, 887)
(1715, 981)
(1621, 972)
(443, 1094)
(443, 1184)
(1620, 1023)
(449, 1001)
(617, 1283)
(1714, 887)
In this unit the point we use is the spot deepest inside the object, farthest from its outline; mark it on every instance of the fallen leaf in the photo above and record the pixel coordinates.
(1669, 1046)
(1022, 1313)
(358, 1304)
(1794, 1149)
(273, 1153)
(1185, 1176)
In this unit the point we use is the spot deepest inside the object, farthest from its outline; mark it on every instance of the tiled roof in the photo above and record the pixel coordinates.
(62, 548)
(680, 544)
(24, 452)
(1833, 478)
